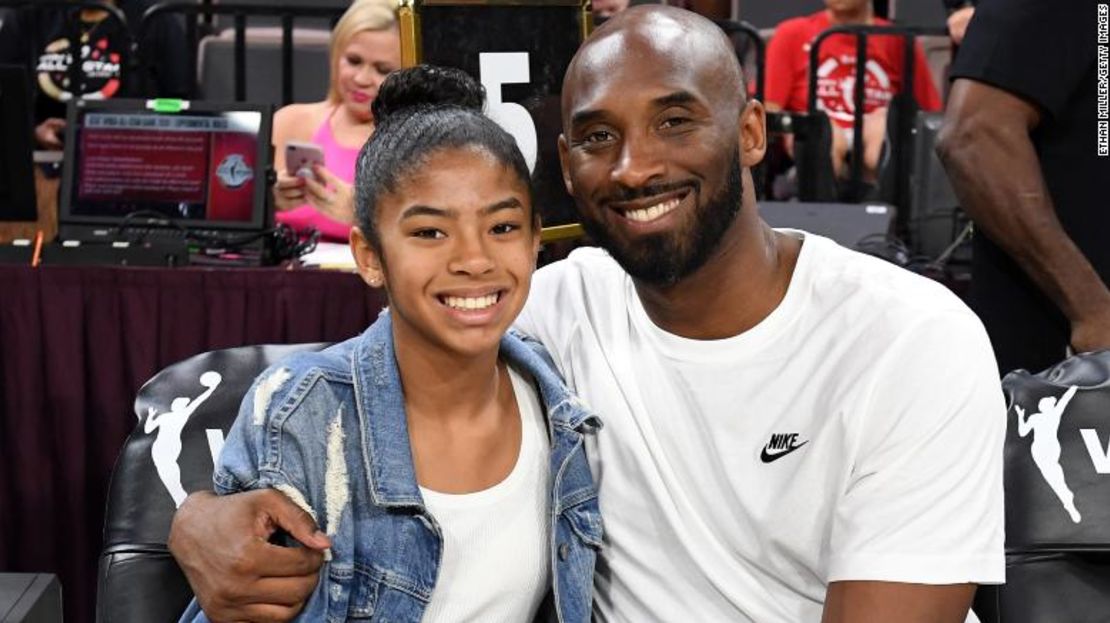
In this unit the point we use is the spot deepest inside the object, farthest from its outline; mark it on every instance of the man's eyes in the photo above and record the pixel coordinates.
(674, 122)
(598, 136)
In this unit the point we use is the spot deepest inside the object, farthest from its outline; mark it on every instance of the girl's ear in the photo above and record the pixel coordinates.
(537, 232)
(367, 259)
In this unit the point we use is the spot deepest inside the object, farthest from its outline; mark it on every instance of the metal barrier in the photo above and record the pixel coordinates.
(36, 9)
(732, 27)
(239, 13)
(905, 105)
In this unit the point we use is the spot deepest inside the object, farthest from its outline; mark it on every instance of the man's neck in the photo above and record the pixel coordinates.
(742, 283)
(864, 15)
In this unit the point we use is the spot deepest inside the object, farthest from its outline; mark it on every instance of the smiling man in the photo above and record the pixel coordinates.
(794, 432)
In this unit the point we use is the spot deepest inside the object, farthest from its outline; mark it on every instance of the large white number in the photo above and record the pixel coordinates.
(496, 69)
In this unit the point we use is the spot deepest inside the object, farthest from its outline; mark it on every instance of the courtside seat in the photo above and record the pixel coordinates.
(183, 414)
(226, 21)
(216, 65)
(938, 56)
(1057, 479)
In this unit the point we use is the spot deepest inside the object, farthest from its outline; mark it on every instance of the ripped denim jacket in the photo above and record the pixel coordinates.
(386, 545)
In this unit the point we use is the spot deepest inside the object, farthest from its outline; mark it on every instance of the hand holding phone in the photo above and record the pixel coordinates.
(301, 157)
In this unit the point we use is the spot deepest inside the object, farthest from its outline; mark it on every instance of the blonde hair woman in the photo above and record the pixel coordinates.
(365, 47)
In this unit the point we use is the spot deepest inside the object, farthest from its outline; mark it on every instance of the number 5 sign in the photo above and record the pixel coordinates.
(496, 69)
(519, 51)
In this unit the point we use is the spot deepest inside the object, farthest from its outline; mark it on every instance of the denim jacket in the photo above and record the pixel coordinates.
(330, 427)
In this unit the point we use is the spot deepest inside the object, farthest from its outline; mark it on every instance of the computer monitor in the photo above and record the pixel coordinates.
(192, 165)
(17, 179)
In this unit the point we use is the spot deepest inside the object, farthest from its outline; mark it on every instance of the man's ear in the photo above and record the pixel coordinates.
(753, 134)
(564, 163)
(367, 259)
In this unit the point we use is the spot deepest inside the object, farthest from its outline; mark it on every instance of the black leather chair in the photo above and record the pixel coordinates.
(183, 414)
(1057, 479)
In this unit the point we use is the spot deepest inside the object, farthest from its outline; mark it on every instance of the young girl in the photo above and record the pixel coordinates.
(365, 47)
(442, 456)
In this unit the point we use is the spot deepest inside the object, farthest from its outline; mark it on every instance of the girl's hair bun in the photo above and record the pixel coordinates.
(427, 86)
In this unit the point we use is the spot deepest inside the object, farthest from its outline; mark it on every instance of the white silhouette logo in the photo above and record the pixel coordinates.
(1045, 447)
(167, 446)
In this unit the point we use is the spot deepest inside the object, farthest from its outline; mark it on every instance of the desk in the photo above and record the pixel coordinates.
(76, 343)
(46, 200)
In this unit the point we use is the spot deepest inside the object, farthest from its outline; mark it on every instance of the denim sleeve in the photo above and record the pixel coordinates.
(250, 447)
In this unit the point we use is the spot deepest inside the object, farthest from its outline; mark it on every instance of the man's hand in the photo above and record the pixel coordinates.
(48, 134)
(222, 545)
(1090, 334)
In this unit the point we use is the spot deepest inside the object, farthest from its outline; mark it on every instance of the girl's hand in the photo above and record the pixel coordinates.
(330, 195)
(289, 192)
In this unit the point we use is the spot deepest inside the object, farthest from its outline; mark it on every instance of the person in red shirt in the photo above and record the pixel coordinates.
(787, 85)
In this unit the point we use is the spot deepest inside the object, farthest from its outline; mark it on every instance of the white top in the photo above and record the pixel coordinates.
(495, 564)
(854, 434)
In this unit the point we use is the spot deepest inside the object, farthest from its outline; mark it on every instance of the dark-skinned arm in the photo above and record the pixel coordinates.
(882, 602)
(986, 148)
(222, 544)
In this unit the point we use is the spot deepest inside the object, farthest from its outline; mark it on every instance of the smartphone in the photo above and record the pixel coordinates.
(301, 157)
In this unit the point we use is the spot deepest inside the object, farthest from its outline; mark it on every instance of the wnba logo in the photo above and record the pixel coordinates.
(1046, 450)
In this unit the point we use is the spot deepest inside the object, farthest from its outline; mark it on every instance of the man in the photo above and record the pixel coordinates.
(40, 39)
(1021, 143)
(792, 430)
(788, 78)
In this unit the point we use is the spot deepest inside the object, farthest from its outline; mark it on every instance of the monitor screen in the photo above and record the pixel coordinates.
(196, 167)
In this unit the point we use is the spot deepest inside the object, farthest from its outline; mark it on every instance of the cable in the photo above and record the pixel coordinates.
(285, 243)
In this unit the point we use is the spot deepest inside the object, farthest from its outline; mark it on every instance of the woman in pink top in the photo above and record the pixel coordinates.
(365, 47)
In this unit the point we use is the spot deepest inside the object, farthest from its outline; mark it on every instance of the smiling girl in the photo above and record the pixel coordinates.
(365, 47)
(441, 455)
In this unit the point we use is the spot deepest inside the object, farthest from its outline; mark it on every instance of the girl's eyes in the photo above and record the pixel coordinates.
(428, 234)
(504, 228)
(354, 60)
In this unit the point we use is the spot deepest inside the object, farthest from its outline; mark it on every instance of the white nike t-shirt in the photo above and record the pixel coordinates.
(855, 434)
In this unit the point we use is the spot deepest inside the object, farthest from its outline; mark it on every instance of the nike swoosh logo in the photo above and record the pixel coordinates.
(768, 457)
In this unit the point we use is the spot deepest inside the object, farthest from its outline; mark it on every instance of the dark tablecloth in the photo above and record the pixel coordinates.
(76, 343)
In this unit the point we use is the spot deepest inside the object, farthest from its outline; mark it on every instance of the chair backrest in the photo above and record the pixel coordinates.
(933, 215)
(183, 414)
(1057, 479)
(216, 67)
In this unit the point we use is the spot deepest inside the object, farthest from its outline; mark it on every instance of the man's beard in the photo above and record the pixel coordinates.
(666, 258)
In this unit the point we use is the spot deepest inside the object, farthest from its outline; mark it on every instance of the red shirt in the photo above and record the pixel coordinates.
(788, 70)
